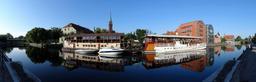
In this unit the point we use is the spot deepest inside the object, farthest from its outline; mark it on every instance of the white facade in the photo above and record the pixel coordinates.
(91, 45)
(69, 30)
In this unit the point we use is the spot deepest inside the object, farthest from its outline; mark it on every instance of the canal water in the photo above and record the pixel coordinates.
(54, 66)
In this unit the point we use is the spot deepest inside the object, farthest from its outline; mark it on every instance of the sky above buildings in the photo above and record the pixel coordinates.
(227, 16)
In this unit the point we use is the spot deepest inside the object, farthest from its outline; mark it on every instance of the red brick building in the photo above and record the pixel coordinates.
(194, 28)
(229, 37)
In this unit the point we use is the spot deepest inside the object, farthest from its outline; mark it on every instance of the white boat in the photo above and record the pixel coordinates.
(110, 52)
(85, 51)
(178, 47)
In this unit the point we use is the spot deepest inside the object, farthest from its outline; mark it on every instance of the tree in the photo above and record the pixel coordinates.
(238, 38)
(223, 40)
(3, 38)
(20, 37)
(37, 35)
(254, 38)
(140, 34)
(100, 30)
(130, 36)
(54, 34)
(9, 36)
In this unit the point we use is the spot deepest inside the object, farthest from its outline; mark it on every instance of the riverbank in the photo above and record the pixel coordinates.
(14, 72)
(226, 72)
(246, 69)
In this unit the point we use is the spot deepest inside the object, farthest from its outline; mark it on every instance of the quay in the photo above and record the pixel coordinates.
(241, 69)
(13, 71)
(246, 69)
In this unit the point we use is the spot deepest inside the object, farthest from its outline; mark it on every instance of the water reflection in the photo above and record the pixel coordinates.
(38, 55)
(239, 47)
(7, 49)
(51, 65)
(194, 61)
(93, 61)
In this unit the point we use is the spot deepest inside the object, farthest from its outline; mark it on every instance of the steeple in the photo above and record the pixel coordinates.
(110, 24)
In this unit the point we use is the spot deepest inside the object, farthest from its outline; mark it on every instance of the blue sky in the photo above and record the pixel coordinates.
(227, 16)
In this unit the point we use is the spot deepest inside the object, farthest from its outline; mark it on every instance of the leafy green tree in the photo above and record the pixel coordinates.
(54, 34)
(140, 34)
(238, 38)
(223, 40)
(254, 38)
(100, 30)
(37, 35)
(3, 38)
(9, 36)
(20, 37)
(130, 36)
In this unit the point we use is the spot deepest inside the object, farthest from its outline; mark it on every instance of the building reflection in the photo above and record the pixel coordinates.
(217, 50)
(93, 61)
(194, 61)
(228, 48)
(199, 65)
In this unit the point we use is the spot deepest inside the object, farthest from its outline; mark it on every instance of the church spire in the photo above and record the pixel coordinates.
(110, 24)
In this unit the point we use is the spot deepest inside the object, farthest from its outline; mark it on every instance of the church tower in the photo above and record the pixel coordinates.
(110, 24)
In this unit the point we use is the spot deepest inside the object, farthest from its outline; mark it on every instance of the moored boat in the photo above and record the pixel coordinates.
(110, 52)
(173, 44)
(178, 47)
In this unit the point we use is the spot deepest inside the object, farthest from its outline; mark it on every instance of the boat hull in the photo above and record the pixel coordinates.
(110, 52)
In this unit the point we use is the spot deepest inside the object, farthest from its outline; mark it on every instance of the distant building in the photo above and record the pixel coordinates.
(83, 38)
(110, 25)
(94, 41)
(217, 39)
(171, 33)
(209, 34)
(72, 28)
(230, 39)
(194, 28)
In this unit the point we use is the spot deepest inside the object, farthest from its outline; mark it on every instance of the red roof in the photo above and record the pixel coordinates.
(229, 37)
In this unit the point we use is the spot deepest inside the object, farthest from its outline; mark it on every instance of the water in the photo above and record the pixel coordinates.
(53, 66)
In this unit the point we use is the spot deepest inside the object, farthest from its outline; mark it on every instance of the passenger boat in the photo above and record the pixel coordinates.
(178, 47)
(172, 44)
(110, 52)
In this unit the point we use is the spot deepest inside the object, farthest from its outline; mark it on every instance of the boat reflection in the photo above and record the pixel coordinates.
(93, 61)
(194, 61)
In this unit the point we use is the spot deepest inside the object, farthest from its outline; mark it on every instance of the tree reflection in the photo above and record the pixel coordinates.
(7, 49)
(238, 47)
(39, 55)
(223, 48)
